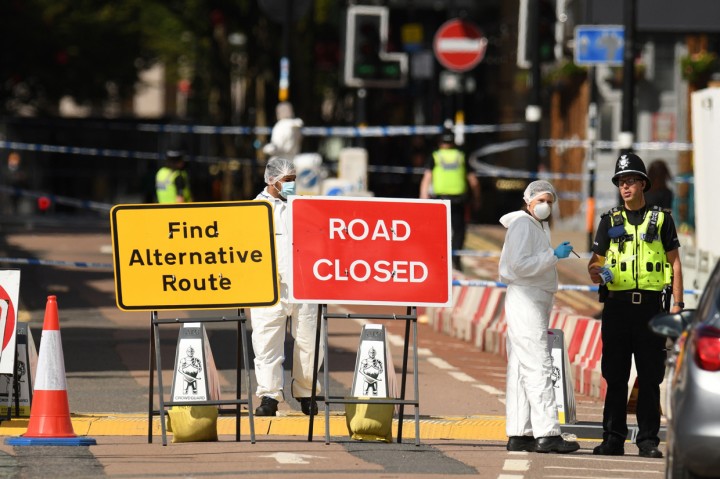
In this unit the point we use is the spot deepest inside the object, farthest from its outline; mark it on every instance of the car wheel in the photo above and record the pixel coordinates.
(674, 468)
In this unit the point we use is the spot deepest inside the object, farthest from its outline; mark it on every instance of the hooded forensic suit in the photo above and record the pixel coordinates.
(269, 324)
(528, 267)
(286, 134)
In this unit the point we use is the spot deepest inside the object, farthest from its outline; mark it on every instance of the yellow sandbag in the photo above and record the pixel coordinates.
(369, 422)
(193, 423)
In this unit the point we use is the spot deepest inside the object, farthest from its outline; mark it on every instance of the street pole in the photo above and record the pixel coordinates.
(592, 128)
(284, 83)
(533, 110)
(361, 111)
(460, 112)
(627, 129)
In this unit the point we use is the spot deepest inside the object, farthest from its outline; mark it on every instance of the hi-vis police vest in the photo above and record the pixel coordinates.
(637, 259)
(165, 185)
(448, 175)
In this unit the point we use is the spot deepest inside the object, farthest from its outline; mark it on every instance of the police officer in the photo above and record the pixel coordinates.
(447, 178)
(635, 257)
(171, 181)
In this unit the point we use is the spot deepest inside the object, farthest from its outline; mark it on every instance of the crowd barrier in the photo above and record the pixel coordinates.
(697, 266)
(477, 316)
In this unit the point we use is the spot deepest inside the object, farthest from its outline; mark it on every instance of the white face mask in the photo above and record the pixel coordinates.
(542, 211)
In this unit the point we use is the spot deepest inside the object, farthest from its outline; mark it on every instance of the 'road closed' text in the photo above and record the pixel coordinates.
(359, 270)
(380, 271)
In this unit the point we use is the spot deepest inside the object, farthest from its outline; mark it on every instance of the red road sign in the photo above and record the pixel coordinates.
(459, 45)
(370, 251)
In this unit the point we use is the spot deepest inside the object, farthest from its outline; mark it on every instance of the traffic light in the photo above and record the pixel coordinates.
(546, 30)
(549, 31)
(367, 62)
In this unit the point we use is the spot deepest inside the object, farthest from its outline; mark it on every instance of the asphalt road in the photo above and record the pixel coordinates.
(106, 353)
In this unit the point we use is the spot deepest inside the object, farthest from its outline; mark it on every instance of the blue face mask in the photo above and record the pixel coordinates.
(288, 188)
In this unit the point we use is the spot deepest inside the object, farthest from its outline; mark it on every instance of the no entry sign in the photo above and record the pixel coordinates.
(459, 45)
(370, 251)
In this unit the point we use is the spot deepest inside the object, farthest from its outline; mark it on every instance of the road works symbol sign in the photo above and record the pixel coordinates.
(459, 45)
(9, 292)
(194, 255)
(370, 251)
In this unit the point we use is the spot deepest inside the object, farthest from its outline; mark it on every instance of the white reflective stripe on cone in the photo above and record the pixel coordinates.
(51, 365)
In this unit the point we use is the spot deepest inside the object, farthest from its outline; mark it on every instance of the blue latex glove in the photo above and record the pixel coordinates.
(563, 250)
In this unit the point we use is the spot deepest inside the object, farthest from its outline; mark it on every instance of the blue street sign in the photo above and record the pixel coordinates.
(599, 44)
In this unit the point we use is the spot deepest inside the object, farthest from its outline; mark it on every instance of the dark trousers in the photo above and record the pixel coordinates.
(459, 227)
(625, 333)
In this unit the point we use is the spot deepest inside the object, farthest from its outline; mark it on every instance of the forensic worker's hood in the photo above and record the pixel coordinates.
(508, 218)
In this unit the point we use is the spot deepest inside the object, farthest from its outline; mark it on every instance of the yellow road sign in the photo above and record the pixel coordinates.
(194, 255)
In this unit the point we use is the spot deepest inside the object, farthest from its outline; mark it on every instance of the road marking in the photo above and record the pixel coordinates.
(593, 476)
(633, 471)
(603, 459)
(291, 458)
(461, 376)
(489, 389)
(510, 476)
(396, 340)
(520, 465)
(441, 363)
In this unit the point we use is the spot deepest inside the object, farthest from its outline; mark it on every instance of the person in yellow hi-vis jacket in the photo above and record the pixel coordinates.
(446, 177)
(635, 258)
(172, 184)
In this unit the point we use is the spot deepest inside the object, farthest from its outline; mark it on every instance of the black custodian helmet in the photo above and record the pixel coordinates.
(628, 164)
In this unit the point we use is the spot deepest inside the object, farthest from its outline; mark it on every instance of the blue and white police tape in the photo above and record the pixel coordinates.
(481, 169)
(337, 131)
(48, 262)
(455, 282)
(61, 200)
(561, 287)
(495, 254)
(77, 150)
(616, 145)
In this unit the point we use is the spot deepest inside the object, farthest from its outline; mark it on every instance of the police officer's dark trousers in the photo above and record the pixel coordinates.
(458, 223)
(625, 332)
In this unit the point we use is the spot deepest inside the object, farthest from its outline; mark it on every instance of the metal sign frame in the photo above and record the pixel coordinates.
(322, 330)
(156, 365)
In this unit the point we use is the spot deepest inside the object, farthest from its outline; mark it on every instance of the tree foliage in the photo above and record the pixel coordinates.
(94, 51)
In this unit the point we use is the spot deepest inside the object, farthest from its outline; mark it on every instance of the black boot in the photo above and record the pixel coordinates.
(555, 444)
(649, 449)
(610, 447)
(268, 407)
(521, 443)
(306, 404)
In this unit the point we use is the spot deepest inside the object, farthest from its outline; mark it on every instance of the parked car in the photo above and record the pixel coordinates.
(693, 398)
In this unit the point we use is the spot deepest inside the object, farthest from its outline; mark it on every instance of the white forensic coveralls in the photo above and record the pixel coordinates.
(528, 267)
(269, 324)
(285, 138)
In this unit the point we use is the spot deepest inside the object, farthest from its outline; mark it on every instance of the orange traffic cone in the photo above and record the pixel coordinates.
(50, 423)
